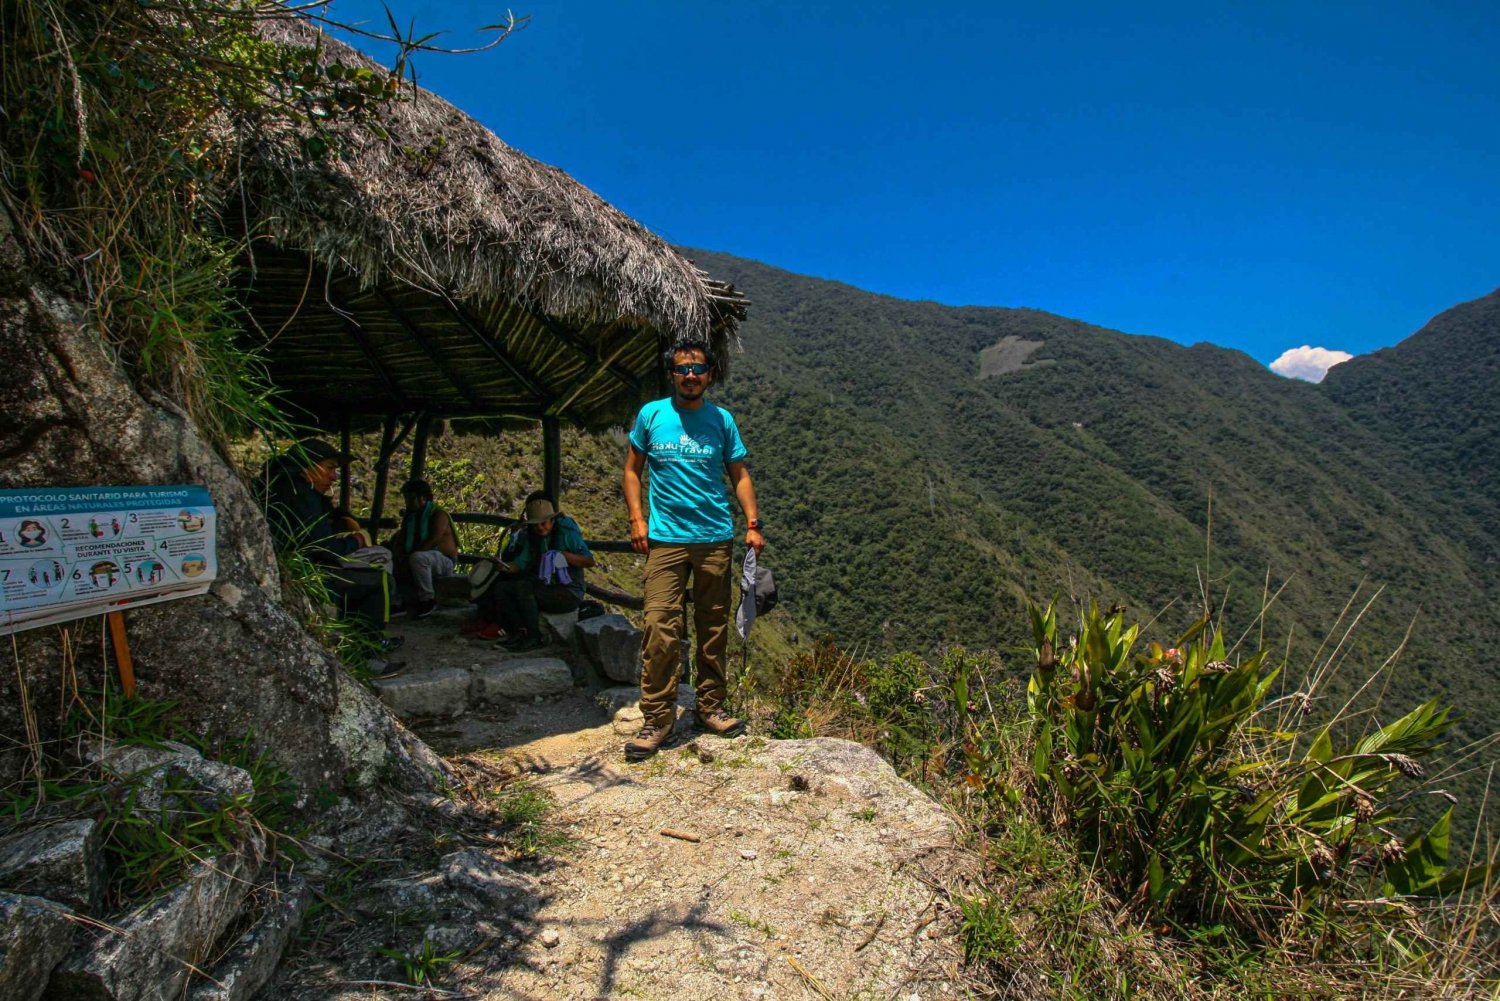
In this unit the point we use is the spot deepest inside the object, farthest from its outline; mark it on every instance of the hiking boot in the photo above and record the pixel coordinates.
(422, 609)
(647, 742)
(721, 723)
(389, 643)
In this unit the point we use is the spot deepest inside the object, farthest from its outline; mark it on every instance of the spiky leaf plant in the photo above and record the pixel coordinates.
(1159, 763)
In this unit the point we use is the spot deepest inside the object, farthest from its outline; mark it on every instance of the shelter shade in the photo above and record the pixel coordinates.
(337, 349)
(429, 268)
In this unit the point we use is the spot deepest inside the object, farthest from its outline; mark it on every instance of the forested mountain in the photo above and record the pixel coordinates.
(1436, 397)
(925, 469)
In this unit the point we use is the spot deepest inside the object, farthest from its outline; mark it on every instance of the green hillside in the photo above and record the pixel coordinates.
(1436, 397)
(926, 468)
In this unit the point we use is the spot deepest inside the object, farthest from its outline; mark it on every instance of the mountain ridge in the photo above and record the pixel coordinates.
(919, 504)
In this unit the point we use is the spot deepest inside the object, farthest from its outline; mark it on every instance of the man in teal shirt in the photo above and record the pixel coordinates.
(686, 444)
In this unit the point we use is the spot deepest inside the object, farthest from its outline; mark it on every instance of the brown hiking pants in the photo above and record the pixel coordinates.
(667, 569)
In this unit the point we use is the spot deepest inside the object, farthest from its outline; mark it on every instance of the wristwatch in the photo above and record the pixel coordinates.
(755, 524)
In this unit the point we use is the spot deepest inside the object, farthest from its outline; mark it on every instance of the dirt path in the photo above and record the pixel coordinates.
(808, 874)
(797, 869)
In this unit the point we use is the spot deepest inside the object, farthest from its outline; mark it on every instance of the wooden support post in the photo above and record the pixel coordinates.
(122, 652)
(346, 440)
(419, 446)
(382, 473)
(552, 458)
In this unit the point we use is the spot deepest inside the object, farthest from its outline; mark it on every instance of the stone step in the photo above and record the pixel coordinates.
(439, 691)
(451, 690)
(522, 679)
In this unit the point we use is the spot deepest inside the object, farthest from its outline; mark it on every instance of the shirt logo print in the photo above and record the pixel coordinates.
(685, 447)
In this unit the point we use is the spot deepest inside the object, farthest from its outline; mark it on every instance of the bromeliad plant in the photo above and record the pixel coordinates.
(1158, 761)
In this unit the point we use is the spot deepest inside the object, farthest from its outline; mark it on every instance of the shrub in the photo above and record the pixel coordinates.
(1163, 766)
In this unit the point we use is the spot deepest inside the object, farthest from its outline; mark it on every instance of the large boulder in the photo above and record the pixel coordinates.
(235, 660)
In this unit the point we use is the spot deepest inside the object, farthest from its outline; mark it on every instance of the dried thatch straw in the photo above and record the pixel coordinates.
(445, 205)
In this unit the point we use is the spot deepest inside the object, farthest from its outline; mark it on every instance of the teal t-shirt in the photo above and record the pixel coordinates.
(686, 452)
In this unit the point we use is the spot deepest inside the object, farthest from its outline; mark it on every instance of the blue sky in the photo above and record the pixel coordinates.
(1261, 176)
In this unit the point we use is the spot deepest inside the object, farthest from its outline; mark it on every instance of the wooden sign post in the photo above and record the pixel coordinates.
(122, 652)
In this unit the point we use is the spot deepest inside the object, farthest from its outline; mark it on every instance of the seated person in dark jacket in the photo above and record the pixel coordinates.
(541, 571)
(301, 517)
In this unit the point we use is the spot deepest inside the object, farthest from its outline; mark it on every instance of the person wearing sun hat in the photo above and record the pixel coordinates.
(541, 570)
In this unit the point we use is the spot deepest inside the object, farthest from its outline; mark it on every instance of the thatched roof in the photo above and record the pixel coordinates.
(439, 269)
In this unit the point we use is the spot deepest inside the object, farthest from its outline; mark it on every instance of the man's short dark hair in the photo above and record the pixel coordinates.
(419, 487)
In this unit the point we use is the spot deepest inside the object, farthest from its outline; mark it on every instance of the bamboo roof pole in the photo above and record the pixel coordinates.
(390, 440)
(419, 447)
(346, 436)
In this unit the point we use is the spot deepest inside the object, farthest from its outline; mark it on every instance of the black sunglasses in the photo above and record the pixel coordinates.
(696, 368)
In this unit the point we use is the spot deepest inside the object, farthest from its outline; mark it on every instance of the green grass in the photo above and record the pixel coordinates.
(745, 920)
(150, 847)
(524, 813)
(421, 965)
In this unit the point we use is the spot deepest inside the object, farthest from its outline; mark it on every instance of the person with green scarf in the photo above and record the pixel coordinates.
(541, 571)
(424, 547)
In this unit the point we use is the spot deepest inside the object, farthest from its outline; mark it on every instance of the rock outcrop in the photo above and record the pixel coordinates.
(612, 645)
(152, 949)
(35, 934)
(235, 660)
(61, 862)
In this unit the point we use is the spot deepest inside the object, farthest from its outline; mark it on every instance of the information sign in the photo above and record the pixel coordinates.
(70, 552)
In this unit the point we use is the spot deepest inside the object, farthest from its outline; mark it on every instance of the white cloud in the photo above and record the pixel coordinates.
(1308, 363)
